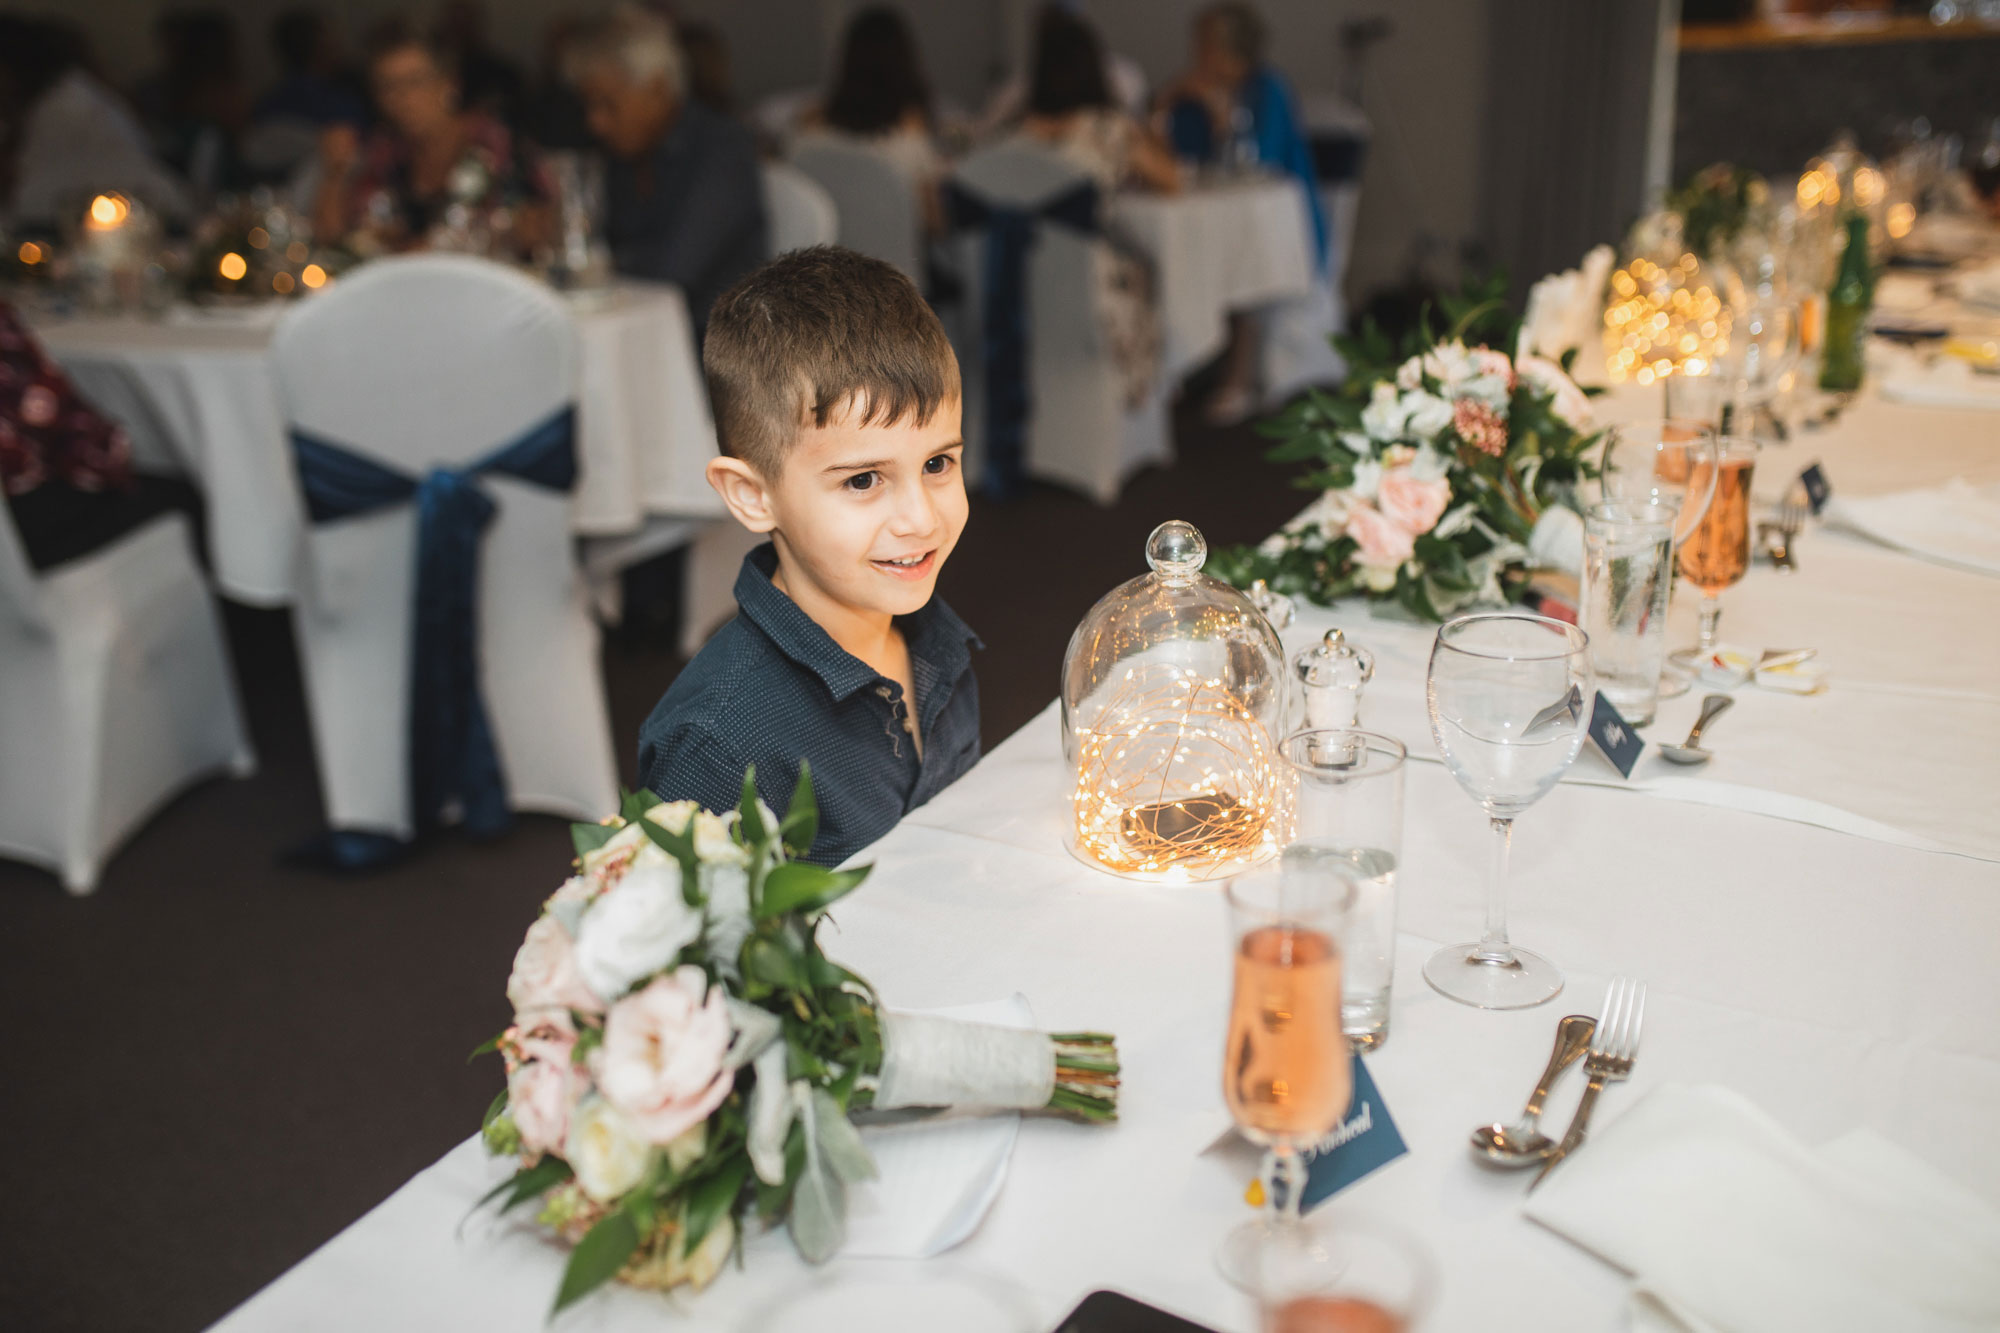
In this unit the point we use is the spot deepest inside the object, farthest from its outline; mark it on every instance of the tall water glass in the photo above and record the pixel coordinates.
(1669, 461)
(1509, 699)
(1627, 574)
(1285, 1072)
(1717, 555)
(1347, 807)
(1357, 1275)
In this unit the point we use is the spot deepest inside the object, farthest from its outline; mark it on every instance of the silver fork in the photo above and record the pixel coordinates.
(1792, 510)
(1612, 1050)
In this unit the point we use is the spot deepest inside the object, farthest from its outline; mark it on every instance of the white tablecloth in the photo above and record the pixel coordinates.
(1218, 249)
(197, 394)
(1835, 979)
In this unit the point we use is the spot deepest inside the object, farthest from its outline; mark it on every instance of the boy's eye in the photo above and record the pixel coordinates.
(863, 481)
(938, 464)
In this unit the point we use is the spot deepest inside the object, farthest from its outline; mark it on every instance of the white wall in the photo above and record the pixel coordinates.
(1425, 85)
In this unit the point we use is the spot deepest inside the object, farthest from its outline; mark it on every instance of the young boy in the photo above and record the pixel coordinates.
(837, 402)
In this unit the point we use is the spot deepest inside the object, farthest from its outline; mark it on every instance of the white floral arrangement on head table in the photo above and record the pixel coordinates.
(683, 1056)
(1445, 475)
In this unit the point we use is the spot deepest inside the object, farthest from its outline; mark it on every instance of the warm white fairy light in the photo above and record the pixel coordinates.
(1663, 321)
(1175, 778)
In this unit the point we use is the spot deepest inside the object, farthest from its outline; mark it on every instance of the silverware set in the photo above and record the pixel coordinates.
(1607, 1045)
(1777, 537)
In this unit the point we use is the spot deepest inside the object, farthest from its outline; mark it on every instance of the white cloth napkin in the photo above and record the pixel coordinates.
(1932, 380)
(1954, 524)
(937, 1175)
(1980, 286)
(1730, 1225)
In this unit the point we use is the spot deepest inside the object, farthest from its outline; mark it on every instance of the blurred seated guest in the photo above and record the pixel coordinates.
(1122, 76)
(314, 90)
(65, 469)
(1070, 112)
(429, 174)
(683, 199)
(64, 135)
(1227, 107)
(709, 78)
(487, 80)
(1070, 109)
(554, 117)
(197, 104)
(881, 101)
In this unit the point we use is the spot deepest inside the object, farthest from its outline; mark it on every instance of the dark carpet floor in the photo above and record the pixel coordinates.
(219, 1062)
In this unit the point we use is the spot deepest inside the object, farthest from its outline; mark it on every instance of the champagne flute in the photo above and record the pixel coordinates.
(1717, 554)
(1509, 699)
(1285, 1075)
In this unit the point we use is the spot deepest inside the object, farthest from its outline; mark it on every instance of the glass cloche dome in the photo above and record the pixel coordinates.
(1173, 701)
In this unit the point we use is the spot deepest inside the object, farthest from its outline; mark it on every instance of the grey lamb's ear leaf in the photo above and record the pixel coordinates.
(771, 1109)
(756, 1028)
(839, 1142)
(819, 1203)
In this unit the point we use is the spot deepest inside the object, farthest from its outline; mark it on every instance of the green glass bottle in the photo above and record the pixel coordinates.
(1847, 306)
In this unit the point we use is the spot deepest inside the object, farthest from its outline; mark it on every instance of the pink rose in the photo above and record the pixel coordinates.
(1489, 362)
(539, 1097)
(545, 974)
(1414, 505)
(1384, 542)
(661, 1063)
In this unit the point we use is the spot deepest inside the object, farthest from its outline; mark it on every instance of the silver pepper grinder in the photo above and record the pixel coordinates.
(1332, 674)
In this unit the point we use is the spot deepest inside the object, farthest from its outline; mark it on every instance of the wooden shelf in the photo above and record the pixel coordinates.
(1828, 30)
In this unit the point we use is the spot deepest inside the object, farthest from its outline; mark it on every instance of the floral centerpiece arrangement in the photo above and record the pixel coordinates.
(1445, 475)
(683, 1055)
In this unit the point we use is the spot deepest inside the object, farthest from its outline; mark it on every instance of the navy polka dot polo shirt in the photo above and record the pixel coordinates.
(772, 688)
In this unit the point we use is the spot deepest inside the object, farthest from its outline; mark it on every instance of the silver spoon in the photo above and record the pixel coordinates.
(1523, 1143)
(1689, 751)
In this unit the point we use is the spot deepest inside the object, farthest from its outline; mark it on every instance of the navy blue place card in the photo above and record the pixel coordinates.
(1366, 1141)
(1613, 736)
(1818, 489)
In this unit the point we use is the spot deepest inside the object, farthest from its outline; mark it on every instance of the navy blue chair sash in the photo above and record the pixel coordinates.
(1010, 235)
(452, 755)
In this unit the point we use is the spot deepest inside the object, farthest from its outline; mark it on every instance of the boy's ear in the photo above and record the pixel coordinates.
(743, 489)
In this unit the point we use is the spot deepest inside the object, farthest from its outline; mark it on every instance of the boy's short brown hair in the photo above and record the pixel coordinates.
(815, 331)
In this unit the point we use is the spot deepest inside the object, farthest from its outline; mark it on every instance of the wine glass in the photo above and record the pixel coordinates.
(1717, 554)
(1356, 1275)
(1285, 1073)
(1763, 347)
(1509, 700)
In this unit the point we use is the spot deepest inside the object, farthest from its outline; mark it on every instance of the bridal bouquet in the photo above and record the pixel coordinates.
(1444, 477)
(682, 1054)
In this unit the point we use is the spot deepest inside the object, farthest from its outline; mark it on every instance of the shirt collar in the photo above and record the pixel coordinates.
(935, 635)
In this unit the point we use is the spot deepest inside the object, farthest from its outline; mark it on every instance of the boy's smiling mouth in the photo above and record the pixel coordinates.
(908, 567)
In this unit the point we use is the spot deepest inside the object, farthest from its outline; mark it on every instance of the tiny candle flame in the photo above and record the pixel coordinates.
(108, 212)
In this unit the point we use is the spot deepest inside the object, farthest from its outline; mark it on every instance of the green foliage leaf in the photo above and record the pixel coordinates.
(587, 838)
(800, 886)
(680, 846)
(530, 1182)
(634, 804)
(487, 1047)
(801, 823)
(772, 1199)
(751, 819)
(774, 959)
(494, 1109)
(818, 1220)
(712, 1199)
(597, 1258)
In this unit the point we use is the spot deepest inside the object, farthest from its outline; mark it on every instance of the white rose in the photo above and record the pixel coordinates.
(607, 1156)
(1367, 479)
(1379, 578)
(1383, 417)
(1427, 413)
(684, 1151)
(712, 841)
(1410, 374)
(625, 849)
(635, 930)
(1429, 464)
(701, 1267)
(673, 816)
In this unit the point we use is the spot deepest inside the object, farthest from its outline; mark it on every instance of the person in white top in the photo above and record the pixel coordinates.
(880, 100)
(71, 136)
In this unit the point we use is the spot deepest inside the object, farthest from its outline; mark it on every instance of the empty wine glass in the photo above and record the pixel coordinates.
(1763, 347)
(1509, 700)
(1717, 554)
(1285, 1073)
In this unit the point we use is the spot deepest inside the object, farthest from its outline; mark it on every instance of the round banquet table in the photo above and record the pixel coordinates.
(1218, 248)
(198, 396)
(1815, 922)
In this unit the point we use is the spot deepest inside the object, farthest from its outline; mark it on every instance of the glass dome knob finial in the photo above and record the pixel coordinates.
(1176, 550)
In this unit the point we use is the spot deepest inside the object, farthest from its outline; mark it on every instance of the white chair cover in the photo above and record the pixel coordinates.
(115, 693)
(878, 210)
(1079, 432)
(801, 211)
(421, 362)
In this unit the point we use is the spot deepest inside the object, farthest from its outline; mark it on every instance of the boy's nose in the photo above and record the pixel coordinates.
(915, 512)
